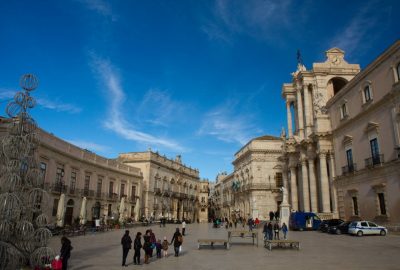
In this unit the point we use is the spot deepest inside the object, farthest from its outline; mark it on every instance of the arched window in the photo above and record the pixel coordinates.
(367, 92)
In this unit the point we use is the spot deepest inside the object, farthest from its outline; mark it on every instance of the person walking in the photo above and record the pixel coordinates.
(177, 239)
(137, 246)
(271, 215)
(153, 241)
(270, 228)
(147, 248)
(183, 227)
(276, 231)
(257, 222)
(126, 243)
(284, 230)
(250, 223)
(65, 252)
(277, 214)
(265, 231)
(165, 245)
(158, 248)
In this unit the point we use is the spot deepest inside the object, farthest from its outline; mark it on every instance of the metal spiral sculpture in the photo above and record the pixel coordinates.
(23, 235)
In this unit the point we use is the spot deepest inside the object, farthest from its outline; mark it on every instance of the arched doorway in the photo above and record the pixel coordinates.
(69, 212)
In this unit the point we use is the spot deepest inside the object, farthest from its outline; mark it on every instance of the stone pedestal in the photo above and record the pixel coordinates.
(284, 213)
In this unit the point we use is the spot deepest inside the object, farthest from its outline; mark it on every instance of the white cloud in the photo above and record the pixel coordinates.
(261, 19)
(159, 109)
(90, 146)
(116, 121)
(101, 7)
(43, 102)
(227, 125)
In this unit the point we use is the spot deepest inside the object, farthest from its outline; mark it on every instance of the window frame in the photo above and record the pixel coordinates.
(344, 113)
(398, 71)
(367, 89)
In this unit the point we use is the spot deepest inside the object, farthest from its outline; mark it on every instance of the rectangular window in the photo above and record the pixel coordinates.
(55, 206)
(73, 181)
(111, 188)
(367, 93)
(382, 205)
(99, 184)
(133, 191)
(59, 185)
(109, 210)
(122, 193)
(43, 169)
(343, 111)
(279, 180)
(87, 184)
(375, 151)
(355, 206)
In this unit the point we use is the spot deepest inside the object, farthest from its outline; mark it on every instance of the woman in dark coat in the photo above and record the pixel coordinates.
(65, 251)
(177, 240)
(126, 243)
(137, 245)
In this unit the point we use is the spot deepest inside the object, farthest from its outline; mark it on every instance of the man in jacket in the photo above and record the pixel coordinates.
(126, 243)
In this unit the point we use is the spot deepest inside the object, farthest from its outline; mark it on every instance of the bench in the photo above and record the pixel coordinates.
(211, 242)
(282, 243)
(243, 234)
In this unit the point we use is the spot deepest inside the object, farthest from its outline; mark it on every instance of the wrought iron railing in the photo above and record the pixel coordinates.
(349, 168)
(374, 160)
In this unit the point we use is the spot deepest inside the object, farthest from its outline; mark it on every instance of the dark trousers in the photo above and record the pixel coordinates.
(124, 255)
(183, 231)
(64, 263)
(276, 236)
(136, 256)
(176, 248)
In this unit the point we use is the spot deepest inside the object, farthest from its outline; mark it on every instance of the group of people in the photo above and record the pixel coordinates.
(149, 245)
(271, 231)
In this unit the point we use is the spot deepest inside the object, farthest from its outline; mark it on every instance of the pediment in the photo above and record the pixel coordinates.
(335, 50)
(347, 139)
(372, 126)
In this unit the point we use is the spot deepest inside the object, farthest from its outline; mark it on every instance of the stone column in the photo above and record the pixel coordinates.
(313, 186)
(300, 113)
(333, 188)
(293, 189)
(307, 112)
(305, 202)
(324, 183)
(289, 119)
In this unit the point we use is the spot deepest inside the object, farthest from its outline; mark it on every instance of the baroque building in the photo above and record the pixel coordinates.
(309, 152)
(365, 117)
(253, 189)
(170, 188)
(79, 174)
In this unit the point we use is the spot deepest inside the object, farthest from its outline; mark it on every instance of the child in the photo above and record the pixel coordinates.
(158, 248)
(165, 245)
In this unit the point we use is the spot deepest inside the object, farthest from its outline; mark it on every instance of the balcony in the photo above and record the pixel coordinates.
(73, 191)
(349, 168)
(225, 204)
(157, 191)
(58, 188)
(88, 193)
(133, 199)
(112, 197)
(98, 195)
(374, 161)
(184, 196)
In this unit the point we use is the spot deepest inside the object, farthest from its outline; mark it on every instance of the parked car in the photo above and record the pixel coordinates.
(361, 228)
(341, 228)
(325, 224)
(304, 221)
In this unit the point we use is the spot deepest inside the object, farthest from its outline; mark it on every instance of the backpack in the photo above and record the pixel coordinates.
(180, 239)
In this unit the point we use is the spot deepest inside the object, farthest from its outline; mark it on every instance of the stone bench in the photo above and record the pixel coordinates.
(211, 242)
(282, 243)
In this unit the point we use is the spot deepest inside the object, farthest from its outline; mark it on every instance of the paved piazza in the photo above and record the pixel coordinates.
(318, 251)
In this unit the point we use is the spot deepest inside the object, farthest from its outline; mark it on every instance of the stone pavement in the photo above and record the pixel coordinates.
(318, 251)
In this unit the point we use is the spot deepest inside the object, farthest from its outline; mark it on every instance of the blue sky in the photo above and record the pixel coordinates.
(196, 78)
